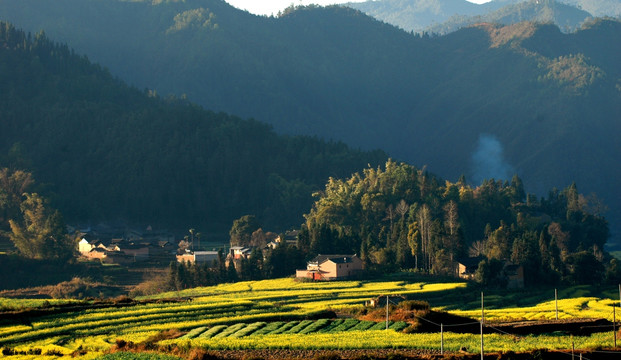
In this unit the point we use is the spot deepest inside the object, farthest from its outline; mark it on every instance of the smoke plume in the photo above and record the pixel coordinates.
(488, 161)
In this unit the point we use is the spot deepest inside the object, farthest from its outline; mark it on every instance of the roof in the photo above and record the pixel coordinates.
(205, 253)
(338, 259)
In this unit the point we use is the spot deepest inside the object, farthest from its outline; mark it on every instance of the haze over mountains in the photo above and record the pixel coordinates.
(444, 16)
(547, 104)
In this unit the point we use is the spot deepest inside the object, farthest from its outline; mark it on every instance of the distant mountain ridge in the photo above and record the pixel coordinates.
(600, 8)
(548, 100)
(566, 17)
(419, 15)
(444, 16)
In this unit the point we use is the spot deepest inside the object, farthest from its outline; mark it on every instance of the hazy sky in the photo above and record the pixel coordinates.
(271, 7)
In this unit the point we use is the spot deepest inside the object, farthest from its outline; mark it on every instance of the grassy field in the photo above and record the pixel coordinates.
(284, 313)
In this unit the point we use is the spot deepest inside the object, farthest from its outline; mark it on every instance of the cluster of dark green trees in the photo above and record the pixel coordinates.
(401, 217)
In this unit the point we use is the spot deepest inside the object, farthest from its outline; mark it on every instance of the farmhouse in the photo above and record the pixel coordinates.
(513, 274)
(467, 267)
(148, 236)
(332, 267)
(198, 257)
(240, 252)
(380, 301)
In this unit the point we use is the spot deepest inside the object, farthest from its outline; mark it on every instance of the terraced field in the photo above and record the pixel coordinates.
(285, 314)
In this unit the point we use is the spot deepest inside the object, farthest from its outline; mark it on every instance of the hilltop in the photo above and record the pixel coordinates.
(566, 17)
(444, 16)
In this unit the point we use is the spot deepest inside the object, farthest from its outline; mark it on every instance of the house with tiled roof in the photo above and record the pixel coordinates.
(332, 267)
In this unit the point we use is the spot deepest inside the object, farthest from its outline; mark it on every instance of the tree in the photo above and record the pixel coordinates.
(40, 234)
(425, 228)
(584, 268)
(489, 273)
(242, 229)
(451, 217)
(13, 184)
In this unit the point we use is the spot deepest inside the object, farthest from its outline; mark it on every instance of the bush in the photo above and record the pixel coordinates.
(414, 305)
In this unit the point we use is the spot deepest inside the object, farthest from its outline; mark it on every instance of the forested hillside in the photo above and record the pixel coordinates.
(547, 102)
(399, 216)
(104, 151)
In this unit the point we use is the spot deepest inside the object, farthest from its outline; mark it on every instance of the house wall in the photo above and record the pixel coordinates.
(462, 272)
(303, 274)
(96, 255)
(329, 270)
(344, 270)
(202, 257)
(84, 247)
(185, 258)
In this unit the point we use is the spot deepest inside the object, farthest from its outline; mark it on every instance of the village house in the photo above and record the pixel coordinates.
(332, 267)
(514, 274)
(198, 257)
(239, 252)
(467, 267)
(380, 301)
(149, 236)
(292, 238)
(139, 252)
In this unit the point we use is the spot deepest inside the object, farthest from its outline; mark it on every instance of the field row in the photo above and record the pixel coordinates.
(382, 339)
(290, 327)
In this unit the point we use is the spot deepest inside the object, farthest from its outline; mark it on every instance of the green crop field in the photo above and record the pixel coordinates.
(283, 313)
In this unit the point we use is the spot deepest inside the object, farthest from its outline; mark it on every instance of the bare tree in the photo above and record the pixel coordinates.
(402, 208)
(424, 226)
(390, 215)
(451, 217)
(476, 249)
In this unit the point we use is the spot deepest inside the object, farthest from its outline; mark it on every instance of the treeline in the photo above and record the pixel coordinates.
(401, 217)
(104, 151)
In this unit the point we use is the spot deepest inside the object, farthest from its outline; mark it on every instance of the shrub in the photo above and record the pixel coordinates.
(414, 305)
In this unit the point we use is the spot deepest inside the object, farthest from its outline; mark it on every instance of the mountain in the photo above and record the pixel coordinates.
(419, 15)
(107, 152)
(601, 8)
(566, 17)
(445, 16)
(485, 101)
